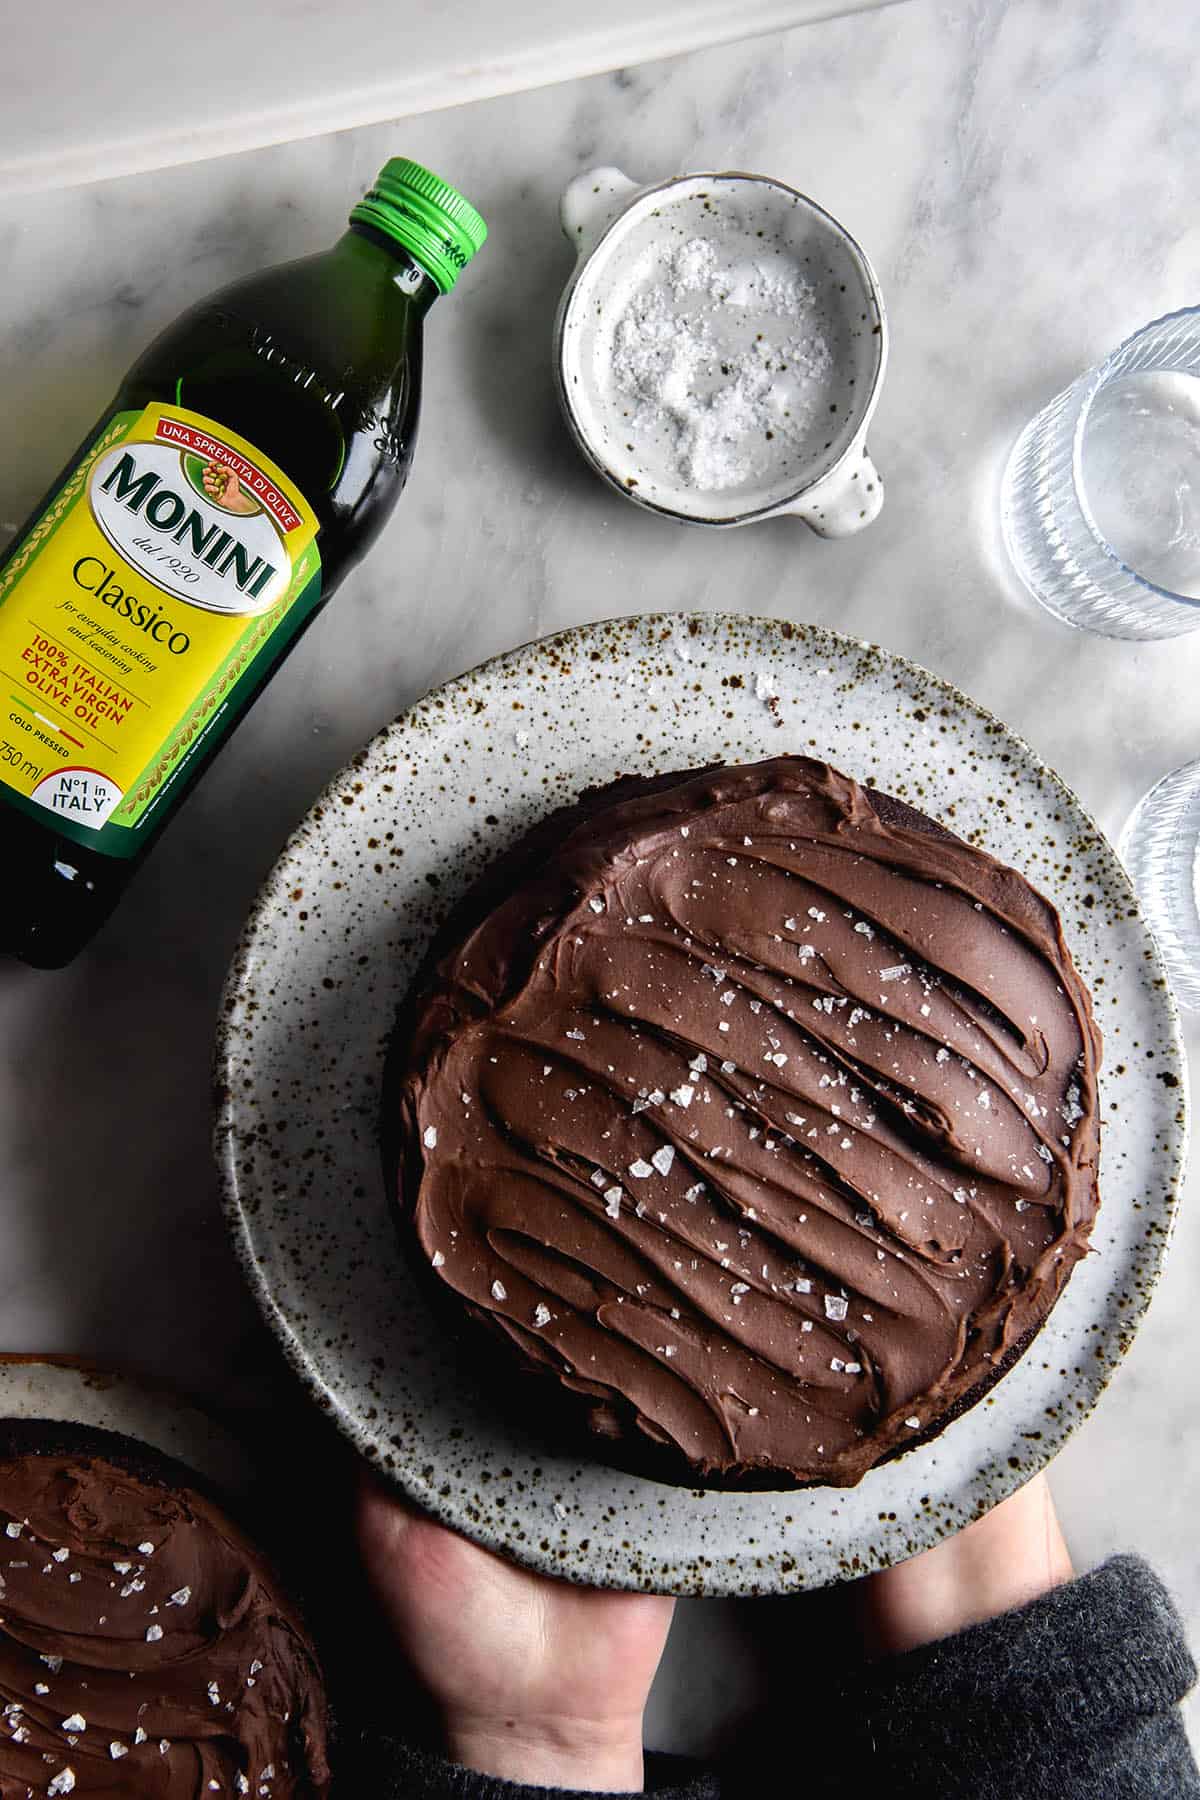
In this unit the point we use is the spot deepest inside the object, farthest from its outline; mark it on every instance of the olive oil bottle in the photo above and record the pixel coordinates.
(247, 461)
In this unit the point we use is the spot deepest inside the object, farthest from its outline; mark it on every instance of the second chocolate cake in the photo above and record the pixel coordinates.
(147, 1647)
(757, 1111)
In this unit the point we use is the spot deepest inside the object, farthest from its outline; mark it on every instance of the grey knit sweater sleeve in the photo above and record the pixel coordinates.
(1073, 1697)
(388, 1770)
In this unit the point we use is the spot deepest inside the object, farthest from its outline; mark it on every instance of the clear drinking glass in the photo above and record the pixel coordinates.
(1100, 502)
(1160, 848)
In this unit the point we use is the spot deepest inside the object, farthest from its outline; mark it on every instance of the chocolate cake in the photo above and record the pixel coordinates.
(755, 1111)
(146, 1646)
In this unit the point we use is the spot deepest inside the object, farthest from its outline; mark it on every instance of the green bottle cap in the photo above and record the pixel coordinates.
(431, 219)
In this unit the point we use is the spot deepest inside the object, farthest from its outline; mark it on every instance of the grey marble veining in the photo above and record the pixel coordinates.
(1020, 175)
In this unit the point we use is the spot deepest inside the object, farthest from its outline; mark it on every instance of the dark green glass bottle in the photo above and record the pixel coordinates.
(247, 461)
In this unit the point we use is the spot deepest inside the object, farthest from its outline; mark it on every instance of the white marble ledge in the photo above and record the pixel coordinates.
(1020, 176)
(327, 69)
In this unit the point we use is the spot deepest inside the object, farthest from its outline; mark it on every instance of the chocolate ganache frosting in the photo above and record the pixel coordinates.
(145, 1647)
(760, 1111)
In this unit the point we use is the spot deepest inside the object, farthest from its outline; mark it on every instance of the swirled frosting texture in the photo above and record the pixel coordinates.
(144, 1647)
(762, 1112)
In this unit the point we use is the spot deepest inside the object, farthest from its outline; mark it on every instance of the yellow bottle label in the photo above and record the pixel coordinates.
(138, 616)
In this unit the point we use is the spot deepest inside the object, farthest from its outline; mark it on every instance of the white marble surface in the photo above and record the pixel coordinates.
(1020, 174)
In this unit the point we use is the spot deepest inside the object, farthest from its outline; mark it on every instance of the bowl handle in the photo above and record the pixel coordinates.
(847, 500)
(591, 202)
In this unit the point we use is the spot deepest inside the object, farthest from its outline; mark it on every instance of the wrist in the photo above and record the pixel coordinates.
(588, 1755)
(1002, 1561)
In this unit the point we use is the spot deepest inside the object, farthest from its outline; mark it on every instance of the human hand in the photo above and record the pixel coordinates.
(1007, 1558)
(536, 1680)
(223, 487)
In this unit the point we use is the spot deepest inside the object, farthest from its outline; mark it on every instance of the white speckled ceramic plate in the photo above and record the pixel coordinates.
(59, 1387)
(339, 930)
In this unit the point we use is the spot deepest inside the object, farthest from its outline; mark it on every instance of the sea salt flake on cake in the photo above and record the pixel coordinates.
(896, 971)
(663, 1158)
(640, 1170)
(153, 1633)
(499, 1291)
(913, 1423)
(596, 904)
(64, 1781)
(429, 1138)
(836, 1306)
(612, 1201)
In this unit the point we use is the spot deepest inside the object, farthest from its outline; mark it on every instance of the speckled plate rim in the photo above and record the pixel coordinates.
(77, 1390)
(756, 1567)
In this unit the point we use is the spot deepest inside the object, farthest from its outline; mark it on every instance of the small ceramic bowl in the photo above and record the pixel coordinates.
(738, 259)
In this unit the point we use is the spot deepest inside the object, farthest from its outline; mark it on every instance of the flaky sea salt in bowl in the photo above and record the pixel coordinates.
(720, 350)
